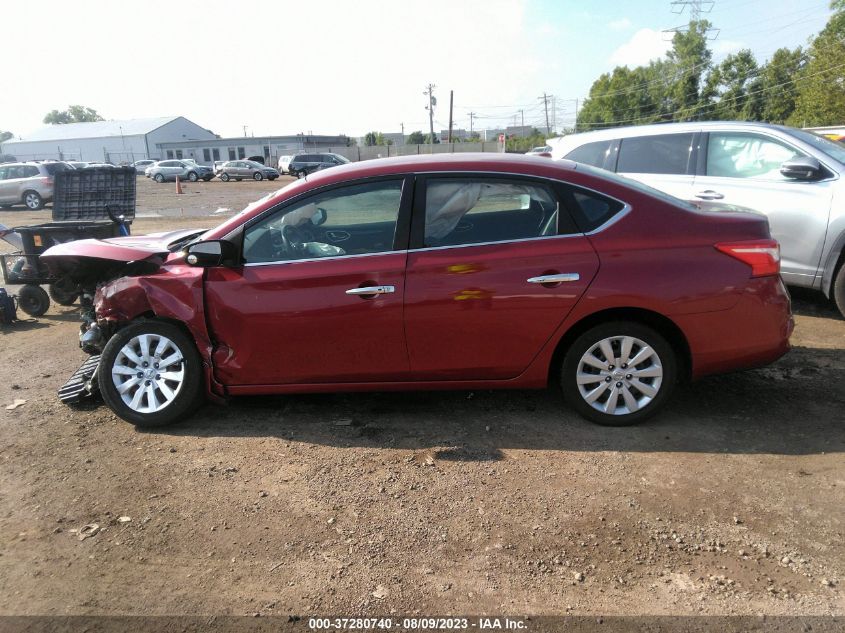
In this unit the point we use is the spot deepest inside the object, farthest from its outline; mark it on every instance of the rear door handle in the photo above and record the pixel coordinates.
(554, 279)
(371, 290)
(709, 194)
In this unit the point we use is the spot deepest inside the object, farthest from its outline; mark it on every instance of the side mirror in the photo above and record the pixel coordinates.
(804, 168)
(319, 217)
(209, 254)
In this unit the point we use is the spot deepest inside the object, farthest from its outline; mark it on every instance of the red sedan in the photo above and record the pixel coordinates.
(439, 272)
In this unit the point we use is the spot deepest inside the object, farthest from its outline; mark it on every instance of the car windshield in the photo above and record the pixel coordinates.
(834, 149)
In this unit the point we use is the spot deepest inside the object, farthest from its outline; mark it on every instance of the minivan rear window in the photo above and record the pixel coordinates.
(660, 154)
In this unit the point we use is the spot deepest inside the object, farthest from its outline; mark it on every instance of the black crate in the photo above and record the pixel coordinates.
(89, 194)
(38, 238)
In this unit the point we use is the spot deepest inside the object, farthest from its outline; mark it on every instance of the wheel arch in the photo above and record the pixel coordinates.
(660, 323)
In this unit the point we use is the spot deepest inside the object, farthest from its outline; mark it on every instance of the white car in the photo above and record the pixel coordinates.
(284, 164)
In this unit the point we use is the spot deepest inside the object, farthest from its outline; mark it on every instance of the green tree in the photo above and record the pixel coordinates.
(735, 87)
(5, 136)
(689, 60)
(376, 138)
(74, 114)
(780, 89)
(415, 138)
(821, 84)
(431, 140)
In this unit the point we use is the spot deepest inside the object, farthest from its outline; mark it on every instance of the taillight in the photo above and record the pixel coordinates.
(762, 255)
(48, 180)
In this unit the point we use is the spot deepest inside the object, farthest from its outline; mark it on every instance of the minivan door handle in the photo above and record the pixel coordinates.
(554, 279)
(709, 194)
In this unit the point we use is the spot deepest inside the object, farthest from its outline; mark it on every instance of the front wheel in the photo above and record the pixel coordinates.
(150, 374)
(839, 290)
(258, 176)
(159, 177)
(192, 176)
(618, 373)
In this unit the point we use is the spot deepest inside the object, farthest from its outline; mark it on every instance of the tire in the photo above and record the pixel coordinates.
(33, 200)
(147, 401)
(610, 406)
(224, 177)
(839, 289)
(192, 176)
(63, 292)
(33, 300)
(159, 177)
(258, 176)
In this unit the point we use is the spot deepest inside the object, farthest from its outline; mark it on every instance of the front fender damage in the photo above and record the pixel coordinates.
(175, 293)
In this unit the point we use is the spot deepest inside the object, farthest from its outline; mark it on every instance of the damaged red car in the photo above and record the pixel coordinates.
(439, 272)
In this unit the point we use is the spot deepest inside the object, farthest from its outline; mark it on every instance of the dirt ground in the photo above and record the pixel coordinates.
(730, 502)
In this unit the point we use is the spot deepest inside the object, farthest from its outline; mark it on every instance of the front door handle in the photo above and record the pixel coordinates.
(371, 290)
(554, 279)
(709, 194)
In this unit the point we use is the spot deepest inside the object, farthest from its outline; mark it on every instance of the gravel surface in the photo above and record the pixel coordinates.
(730, 502)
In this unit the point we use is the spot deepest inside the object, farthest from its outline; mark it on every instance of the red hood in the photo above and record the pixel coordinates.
(118, 249)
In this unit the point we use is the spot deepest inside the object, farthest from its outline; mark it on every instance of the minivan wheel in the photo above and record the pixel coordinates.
(192, 176)
(159, 177)
(839, 289)
(150, 374)
(258, 176)
(33, 200)
(618, 373)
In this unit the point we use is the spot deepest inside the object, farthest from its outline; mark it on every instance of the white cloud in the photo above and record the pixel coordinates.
(622, 24)
(644, 45)
(723, 48)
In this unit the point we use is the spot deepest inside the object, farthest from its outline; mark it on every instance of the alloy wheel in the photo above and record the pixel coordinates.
(148, 372)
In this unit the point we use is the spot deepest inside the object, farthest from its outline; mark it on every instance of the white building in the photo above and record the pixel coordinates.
(108, 141)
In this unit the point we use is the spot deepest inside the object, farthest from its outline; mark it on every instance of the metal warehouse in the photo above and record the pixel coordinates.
(107, 141)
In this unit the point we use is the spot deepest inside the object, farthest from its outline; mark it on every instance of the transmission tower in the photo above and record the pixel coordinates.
(696, 8)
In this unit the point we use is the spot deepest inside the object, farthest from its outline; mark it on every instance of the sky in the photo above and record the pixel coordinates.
(280, 67)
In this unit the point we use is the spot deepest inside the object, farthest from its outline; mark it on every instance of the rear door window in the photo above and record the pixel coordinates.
(461, 211)
(660, 154)
(594, 154)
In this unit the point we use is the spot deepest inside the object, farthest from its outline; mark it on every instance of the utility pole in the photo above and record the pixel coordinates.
(522, 117)
(451, 95)
(432, 101)
(554, 117)
(471, 114)
(244, 131)
(545, 99)
(576, 116)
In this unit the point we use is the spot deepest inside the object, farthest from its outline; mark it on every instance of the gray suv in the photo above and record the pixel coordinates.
(30, 184)
(304, 164)
(794, 177)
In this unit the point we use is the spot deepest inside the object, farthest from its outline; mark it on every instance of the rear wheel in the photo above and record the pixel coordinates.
(224, 177)
(619, 373)
(839, 289)
(33, 200)
(150, 374)
(33, 300)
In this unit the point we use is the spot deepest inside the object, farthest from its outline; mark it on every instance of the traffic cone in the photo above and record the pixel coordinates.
(178, 185)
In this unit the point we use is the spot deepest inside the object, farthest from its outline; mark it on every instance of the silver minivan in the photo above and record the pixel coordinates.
(30, 184)
(792, 176)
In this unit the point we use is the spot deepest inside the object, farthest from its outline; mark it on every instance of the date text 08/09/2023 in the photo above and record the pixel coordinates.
(417, 624)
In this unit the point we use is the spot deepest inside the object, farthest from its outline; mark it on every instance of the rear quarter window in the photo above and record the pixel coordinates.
(591, 209)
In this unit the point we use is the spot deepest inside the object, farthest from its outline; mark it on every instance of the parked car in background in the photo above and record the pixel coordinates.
(514, 271)
(793, 177)
(77, 164)
(545, 150)
(184, 169)
(30, 184)
(304, 164)
(241, 169)
(141, 165)
(284, 164)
